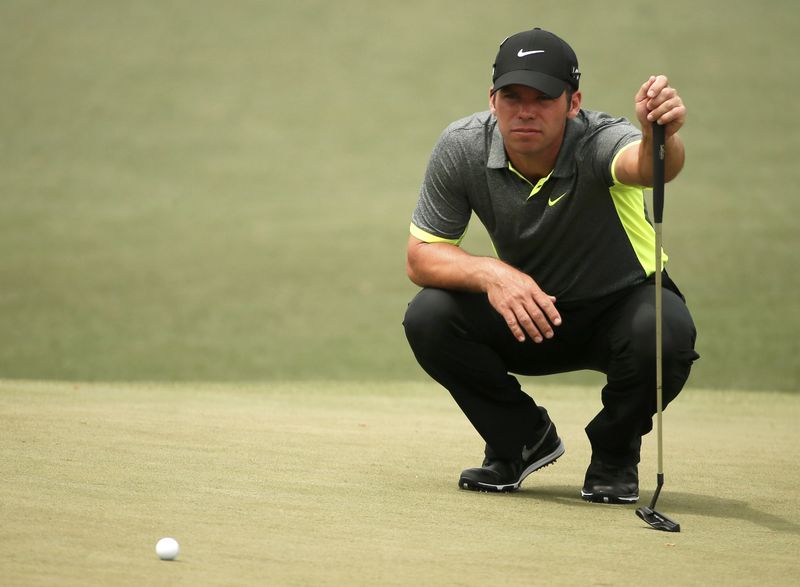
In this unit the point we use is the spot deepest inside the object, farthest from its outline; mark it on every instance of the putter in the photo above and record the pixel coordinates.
(649, 514)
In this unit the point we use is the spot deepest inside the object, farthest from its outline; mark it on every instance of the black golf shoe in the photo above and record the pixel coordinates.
(502, 475)
(606, 483)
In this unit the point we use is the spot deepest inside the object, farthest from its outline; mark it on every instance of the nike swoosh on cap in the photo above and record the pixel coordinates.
(522, 53)
(553, 202)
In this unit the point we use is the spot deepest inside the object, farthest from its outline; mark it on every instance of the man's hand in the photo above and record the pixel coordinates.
(516, 297)
(657, 101)
(522, 303)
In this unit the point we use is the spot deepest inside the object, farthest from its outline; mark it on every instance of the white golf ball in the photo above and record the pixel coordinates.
(167, 549)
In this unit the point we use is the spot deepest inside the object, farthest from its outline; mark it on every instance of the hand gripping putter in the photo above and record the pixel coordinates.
(649, 514)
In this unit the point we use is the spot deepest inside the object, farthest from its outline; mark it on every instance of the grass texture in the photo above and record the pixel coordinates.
(355, 484)
(199, 190)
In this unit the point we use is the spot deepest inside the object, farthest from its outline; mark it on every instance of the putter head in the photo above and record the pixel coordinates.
(658, 521)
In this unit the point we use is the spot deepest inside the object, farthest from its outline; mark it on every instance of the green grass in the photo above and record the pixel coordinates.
(196, 190)
(355, 484)
(220, 192)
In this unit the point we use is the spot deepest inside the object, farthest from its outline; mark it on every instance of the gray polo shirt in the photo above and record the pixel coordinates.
(578, 232)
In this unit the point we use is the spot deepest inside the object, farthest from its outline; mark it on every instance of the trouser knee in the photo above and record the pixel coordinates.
(428, 319)
(677, 351)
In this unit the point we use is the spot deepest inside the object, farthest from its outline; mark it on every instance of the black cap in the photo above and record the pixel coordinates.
(538, 59)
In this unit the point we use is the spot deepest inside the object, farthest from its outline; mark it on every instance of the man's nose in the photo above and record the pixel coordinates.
(528, 110)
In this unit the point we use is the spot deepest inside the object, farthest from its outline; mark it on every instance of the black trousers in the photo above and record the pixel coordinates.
(461, 341)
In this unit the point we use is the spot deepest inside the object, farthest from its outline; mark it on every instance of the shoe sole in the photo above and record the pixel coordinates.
(535, 466)
(608, 498)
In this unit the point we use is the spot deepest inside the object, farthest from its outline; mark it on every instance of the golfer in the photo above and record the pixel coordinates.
(560, 191)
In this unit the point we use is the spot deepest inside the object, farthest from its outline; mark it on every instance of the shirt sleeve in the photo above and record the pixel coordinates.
(609, 139)
(443, 211)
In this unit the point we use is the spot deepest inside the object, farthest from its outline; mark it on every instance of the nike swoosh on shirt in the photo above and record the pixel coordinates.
(553, 202)
(522, 53)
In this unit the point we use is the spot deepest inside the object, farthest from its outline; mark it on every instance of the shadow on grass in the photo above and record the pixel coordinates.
(677, 502)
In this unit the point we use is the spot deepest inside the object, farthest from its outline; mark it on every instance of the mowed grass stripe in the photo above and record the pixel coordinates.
(181, 201)
(355, 483)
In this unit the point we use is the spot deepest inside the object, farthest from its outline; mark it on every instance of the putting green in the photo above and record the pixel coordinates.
(355, 484)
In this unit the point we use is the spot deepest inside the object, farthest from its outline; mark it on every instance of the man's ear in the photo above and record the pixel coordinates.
(575, 105)
(491, 100)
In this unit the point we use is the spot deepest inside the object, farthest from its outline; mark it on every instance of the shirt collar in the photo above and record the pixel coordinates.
(497, 152)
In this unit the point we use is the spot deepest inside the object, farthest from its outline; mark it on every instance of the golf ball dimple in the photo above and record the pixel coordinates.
(167, 549)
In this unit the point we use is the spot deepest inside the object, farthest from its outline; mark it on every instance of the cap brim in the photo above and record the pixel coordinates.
(546, 84)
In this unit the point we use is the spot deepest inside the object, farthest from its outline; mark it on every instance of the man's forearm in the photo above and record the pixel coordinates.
(515, 295)
(447, 266)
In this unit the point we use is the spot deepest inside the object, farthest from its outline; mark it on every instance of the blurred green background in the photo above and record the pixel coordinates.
(221, 191)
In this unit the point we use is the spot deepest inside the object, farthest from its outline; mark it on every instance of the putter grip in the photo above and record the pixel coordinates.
(659, 154)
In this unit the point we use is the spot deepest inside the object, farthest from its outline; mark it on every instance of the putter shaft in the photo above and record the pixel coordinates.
(649, 514)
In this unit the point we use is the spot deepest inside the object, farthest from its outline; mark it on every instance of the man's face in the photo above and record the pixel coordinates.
(532, 123)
